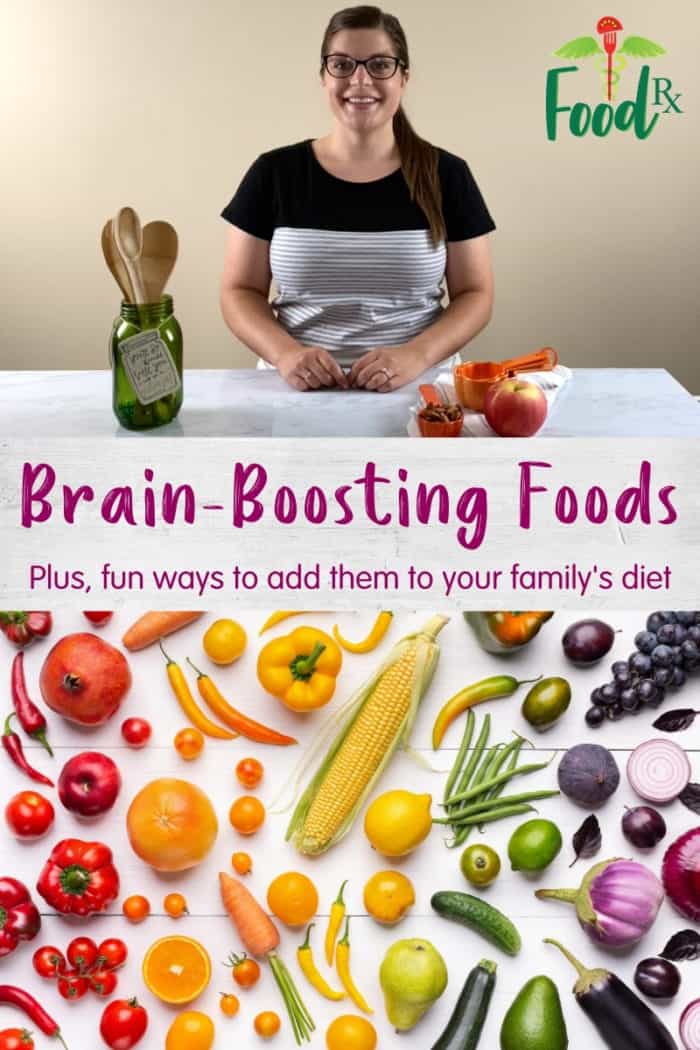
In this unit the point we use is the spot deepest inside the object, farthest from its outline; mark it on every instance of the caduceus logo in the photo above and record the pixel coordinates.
(612, 60)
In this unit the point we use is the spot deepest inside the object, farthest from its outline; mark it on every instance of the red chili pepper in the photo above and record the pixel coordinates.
(14, 996)
(23, 627)
(13, 745)
(30, 717)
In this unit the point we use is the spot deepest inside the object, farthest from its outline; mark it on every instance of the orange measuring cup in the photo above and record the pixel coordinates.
(473, 378)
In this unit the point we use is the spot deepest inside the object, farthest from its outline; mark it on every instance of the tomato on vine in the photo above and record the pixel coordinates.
(49, 962)
(112, 953)
(245, 971)
(82, 953)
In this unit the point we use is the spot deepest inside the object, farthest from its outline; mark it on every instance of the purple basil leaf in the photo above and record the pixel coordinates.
(690, 797)
(587, 840)
(674, 721)
(682, 946)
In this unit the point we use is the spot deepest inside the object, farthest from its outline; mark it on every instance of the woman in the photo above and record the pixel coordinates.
(358, 230)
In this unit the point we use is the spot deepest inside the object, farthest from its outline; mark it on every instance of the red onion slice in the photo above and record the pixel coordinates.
(658, 770)
(689, 1026)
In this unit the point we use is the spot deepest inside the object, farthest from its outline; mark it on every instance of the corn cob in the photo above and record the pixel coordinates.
(380, 718)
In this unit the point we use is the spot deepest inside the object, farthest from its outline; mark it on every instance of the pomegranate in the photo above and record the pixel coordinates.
(84, 679)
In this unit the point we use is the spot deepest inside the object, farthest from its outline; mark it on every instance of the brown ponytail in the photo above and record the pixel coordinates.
(419, 159)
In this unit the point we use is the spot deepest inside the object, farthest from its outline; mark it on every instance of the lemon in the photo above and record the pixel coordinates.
(398, 821)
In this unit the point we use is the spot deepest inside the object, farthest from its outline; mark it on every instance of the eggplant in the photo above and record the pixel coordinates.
(622, 1019)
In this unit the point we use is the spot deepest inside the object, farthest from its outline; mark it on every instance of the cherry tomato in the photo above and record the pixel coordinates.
(229, 1004)
(244, 971)
(98, 619)
(136, 908)
(82, 953)
(29, 815)
(136, 732)
(123, 1024)
(16, 1039)
(242, 863)
(112, 954)
(49, 961)
(175, 905)
(247, 814)
(249, 772)
(267, 1024)
(103, 982)
(189, 743)
(72, 985)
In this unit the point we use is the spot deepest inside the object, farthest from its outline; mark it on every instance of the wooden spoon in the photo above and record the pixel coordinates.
(129, 241)
(158, 258)
(114, 261)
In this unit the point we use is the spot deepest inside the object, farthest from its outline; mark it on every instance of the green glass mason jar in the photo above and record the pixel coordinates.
(146, 356)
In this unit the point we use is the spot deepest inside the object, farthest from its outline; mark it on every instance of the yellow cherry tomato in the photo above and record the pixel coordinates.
(175, 905)
(189, 743)
(191, 1030)
(350, 1032)
(242, 863)
(388, 896)
(229, 1004)
(249, 772)
(247, 814)
(136, 908)
(224, 641)
(267, 1024)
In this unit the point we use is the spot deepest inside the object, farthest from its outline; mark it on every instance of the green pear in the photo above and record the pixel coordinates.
(413, 976)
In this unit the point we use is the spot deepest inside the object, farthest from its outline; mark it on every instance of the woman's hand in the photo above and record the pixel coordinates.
(387, 368)
(311, 368)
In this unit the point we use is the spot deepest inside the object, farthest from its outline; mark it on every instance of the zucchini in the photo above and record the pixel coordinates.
(464, 1026)
(480, 916)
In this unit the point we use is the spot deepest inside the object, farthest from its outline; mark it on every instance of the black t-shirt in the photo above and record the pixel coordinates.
(353, 261)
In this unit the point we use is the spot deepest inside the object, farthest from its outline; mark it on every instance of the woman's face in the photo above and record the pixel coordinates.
(362, 102)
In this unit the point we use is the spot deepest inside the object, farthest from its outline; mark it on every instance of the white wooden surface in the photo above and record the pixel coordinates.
(431, 867)
(598, 402)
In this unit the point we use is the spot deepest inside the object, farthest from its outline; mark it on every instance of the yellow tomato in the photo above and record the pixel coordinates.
(388, 896)
(224, 641)
(293, 898)
(267, 1024)
(190, 1030)
(350, 1032)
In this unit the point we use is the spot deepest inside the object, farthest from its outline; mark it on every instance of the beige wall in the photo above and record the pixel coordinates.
(597, 249)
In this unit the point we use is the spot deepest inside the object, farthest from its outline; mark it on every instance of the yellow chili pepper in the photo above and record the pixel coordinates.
(300, 668)
(277, 617)
(335, 921)
(308, 968)
(188, 704)
(379, 629)
(342, 965)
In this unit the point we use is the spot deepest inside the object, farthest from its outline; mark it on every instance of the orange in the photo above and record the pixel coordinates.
(171, 824)
(350, 1032)
(176, 969)
(292, 897)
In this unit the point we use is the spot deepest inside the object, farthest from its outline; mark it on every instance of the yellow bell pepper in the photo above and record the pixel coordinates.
(300, 668)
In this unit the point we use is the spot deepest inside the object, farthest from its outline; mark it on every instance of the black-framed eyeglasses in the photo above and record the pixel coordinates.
(379, 67)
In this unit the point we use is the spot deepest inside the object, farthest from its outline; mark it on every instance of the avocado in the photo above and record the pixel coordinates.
(534, 1020)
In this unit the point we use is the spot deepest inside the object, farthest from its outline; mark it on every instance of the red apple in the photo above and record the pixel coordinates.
(84, 679)
(515, 408)
(89, 784)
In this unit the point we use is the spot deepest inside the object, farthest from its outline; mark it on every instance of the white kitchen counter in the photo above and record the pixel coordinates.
(613, 402)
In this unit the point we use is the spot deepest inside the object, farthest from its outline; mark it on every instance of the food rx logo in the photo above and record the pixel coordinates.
(653, 98)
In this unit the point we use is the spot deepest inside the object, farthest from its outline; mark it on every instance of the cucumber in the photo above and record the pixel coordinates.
(480, 916)
(464, 1026)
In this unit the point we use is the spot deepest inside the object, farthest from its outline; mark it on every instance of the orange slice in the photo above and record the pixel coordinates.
(176, 969)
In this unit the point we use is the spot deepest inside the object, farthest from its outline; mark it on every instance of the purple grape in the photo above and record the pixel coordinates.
(666, 634)
(694, 634)
(595, 716)
(662, 676)
(678, 679)
(690, 649)
(641, 663)
(687, 618)
(647, 691)
(645, 641)
(630, 700)
(614, 712)
(643, 826)
(662, 656)
(608, 694)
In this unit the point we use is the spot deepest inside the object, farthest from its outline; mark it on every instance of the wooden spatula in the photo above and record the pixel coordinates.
(126, 230)
(158, 257)
(114, 261)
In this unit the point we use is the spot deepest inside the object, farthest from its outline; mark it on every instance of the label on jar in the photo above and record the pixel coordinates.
(149, 366)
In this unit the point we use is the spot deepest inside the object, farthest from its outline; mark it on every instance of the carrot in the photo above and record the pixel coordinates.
(255, 928)
(152, 626)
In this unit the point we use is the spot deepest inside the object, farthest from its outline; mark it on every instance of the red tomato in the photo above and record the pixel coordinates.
(123, 1024)
(136, 732)
(16, 1039)
(82, 953)
(103, 982)
(72, 985)
(49, 961)
(112, 953)
(99, 619)
(29, 815)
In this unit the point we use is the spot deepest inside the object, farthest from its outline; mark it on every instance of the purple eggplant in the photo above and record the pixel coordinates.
(657, 978)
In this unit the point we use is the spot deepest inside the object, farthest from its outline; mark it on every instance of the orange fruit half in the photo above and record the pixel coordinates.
(176, 969)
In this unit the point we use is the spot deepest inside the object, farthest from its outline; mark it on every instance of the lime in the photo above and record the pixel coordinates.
(534, 845)
(480, 865)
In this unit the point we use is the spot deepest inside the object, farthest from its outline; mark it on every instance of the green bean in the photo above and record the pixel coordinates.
(489, 804)
(468, 772)
(490, 816)
(515, 746)
(482, 772)
(462, 833)
(464, 747)
(502, 778)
